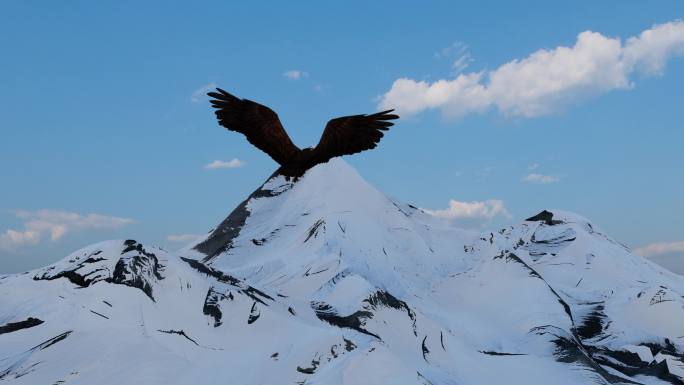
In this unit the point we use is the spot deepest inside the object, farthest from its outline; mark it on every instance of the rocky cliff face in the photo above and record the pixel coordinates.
(328, 281)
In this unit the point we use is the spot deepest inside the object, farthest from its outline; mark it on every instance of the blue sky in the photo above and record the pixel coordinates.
(106, 135)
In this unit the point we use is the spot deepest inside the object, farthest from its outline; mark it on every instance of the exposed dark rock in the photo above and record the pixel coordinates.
(401, 210)
(546, 217)
(348, 345)
(425, 349)
(75, 276)
(383, 298)
(314, 229)
(254, 314)
(592, 324)
(630, 364)
(52, 341)
(665, 347)
(492, 353)
(259, 242)
(357, 320)
(354, 321)
(25, 324)
(253, 293)
(138, 270)
(71, 275)
(658, 297)
(342, 228)
(539, 247)
(561, 238)
(311, 369)
(96, 313)
(221, 239)
(12, 369)
(180, 333)
(533, 273)
(570, 350)
(212, 307)
(202, 268)
(423, 380)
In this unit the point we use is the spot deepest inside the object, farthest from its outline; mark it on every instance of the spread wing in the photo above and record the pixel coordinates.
(352, 134)
(258, 123)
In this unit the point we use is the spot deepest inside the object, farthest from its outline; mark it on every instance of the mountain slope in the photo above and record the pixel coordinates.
(327, 281)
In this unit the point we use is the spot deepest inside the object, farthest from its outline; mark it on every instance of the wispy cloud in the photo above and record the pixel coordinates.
(233, 163)
(546, 81)
(458, 52)
(183, 237)
(475, 213)
(540, 178)
(655, 249)
(533, 166)
(295, 74)
(200, 94)
(55, 224)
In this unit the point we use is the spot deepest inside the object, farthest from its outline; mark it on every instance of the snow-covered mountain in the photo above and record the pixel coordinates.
(328, 281)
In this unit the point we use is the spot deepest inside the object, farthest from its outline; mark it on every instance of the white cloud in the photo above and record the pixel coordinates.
(533, 166)
(650, 51)
(295, 74)
(183, 237)
(12, 238)
(483, 210)
(201, 93)
(540, 178)
(55, 223)
(656, 249)
(546, 81)
(233, 163)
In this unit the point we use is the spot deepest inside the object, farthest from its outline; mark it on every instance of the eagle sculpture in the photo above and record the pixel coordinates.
(342, 136)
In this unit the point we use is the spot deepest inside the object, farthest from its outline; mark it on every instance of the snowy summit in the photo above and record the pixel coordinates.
(326, 280)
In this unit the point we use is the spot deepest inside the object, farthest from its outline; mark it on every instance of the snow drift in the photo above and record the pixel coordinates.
(328, 281)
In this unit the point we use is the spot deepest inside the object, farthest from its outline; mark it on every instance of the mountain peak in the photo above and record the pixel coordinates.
(330, 187)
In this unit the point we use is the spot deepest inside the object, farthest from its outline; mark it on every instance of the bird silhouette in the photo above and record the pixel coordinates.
(342, 136)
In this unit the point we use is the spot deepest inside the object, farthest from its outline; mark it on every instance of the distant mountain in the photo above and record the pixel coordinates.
(328, 281)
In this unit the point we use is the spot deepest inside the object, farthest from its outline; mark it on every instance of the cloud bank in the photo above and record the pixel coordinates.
(54, 224)
(546, 81)
(473, 213)
(656, 249)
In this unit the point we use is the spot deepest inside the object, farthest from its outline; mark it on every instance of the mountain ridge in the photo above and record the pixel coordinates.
(326, 280)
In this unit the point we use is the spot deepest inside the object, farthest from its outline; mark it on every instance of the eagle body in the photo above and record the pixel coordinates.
(301, 161)
(262, 128)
